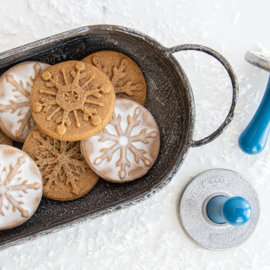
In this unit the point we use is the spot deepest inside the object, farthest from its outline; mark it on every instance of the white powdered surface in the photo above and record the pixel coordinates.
(148, 236)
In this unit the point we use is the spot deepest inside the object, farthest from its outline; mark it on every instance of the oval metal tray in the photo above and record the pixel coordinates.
(169, 99)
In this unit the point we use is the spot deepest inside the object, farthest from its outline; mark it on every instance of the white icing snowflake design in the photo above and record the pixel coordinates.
(124, 141)
(6, 188)
(15, 114)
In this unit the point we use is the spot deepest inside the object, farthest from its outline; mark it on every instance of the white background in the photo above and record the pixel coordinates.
(148, 236)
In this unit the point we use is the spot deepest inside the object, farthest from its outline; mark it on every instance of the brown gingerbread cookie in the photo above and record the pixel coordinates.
(4, 139)
(72, 101)
(125, 75)
(65, 174)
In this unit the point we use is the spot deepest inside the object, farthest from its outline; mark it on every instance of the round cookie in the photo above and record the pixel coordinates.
(125, 75)
(4, 139)
(72, 101)
(65, 174)
(127, 148)
(20, 187)
(15, 87)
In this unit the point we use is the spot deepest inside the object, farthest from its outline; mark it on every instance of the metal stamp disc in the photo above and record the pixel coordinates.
(192, 209)
(261, 60)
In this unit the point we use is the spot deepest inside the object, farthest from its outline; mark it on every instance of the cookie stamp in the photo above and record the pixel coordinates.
(195, 215)
(15, 87)
(128, 147)
(72, 101)
(66, 176)
(125, 75)
(20, 187)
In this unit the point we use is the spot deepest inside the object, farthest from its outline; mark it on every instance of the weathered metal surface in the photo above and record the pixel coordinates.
(169, 99)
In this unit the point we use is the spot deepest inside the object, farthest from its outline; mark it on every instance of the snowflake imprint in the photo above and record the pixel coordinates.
(117, 75)
(124, 142)
(6, 188)
(70, 97)
(59, 161)
(14, 106)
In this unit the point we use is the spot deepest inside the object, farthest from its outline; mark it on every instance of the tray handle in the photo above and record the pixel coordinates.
(227, 66)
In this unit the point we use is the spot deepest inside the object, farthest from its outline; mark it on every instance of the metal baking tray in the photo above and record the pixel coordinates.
(169, 99)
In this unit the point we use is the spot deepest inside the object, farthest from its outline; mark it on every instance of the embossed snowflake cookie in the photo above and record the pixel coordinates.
(72, 101)
(66, 176)
(15, 87)
(128, 147)
(20, 187)
(125, 75)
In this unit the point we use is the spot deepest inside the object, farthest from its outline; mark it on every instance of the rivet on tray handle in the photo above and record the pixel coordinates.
(227, 66)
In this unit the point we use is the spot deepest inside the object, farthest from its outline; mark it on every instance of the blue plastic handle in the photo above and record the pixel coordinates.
(236, 211)
(254, 138)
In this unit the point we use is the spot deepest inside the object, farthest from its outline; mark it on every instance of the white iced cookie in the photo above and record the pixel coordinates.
(128, 147)
(15, 86)
(20, 187)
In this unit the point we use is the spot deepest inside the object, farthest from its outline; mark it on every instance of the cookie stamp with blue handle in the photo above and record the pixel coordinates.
(219, 209)
(254, 138)
(236, 211)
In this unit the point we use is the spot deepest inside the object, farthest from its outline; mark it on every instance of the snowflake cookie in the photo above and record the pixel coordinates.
(20, 187)
(125, 75)
(128, 147)
(15, 86)
(72, 101)
(65, 174)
